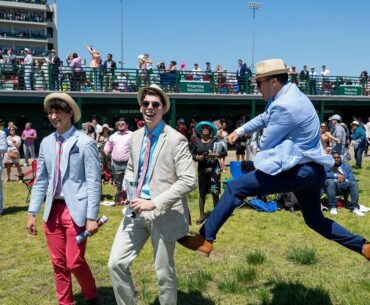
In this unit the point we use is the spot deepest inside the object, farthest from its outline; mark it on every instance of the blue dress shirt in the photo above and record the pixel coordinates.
(145, 191)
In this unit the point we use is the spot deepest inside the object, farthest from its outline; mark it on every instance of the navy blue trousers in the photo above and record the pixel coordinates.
(305, 180)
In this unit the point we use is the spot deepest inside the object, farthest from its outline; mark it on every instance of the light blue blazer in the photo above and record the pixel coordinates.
(80, 174)
(291, 133)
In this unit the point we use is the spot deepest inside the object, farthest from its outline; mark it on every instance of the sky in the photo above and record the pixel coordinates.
(315, 32)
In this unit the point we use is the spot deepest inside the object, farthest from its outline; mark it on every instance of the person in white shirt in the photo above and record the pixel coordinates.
(324, 72)
(28, 68)
(197, 73)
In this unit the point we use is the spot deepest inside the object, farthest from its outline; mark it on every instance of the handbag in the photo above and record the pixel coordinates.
(13, 154)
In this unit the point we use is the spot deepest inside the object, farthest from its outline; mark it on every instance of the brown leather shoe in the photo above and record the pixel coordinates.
(197, 243)
(366, 250)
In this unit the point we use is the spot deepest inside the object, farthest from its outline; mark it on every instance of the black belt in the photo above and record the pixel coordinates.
(120, 162)
(59, 201)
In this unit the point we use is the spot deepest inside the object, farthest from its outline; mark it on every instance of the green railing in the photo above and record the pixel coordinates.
(49, 77)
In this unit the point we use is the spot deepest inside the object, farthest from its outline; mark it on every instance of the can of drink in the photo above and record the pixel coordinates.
(85, 234)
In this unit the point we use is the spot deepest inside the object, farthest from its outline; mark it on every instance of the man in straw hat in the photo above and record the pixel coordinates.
(162, 169)
(118, 148)
(291, 160)
(68, 173)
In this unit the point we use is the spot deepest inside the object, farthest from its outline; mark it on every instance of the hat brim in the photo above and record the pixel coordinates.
(270, 73)
(159, 91)
(200, 125)
(67, 99)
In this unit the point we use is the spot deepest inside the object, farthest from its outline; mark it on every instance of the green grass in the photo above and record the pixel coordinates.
(256, 258)
(303, 256)
(249, 264)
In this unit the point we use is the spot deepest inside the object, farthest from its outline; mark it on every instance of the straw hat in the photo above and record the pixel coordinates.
(64, 97)
(270, 67)
(157, 89)
(106, 126)
(355, 123)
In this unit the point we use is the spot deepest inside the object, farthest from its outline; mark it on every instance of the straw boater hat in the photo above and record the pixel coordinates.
(157, 89)
(64, 97)
(270, 67)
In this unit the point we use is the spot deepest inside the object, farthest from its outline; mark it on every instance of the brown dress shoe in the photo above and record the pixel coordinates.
(366, 250)
(197, 243)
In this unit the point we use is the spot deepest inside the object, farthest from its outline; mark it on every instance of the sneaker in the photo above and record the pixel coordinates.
(366, 250)
(357, 212)
(324, 208)
(197, 243)
(25, 164)
(364, 209)
(333, 211)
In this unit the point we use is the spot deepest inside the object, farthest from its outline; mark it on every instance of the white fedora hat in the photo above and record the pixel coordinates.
(270, 67)
(64, 97)
(157, 89)
(335, 117)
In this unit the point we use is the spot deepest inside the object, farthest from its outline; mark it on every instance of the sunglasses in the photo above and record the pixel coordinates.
(322, 126)
(146, 104)
(259, 82)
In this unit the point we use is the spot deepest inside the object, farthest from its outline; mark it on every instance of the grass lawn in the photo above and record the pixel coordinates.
(258, 258)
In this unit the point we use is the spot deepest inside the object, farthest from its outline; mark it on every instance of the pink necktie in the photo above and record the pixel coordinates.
(145, 165)
(57, 187)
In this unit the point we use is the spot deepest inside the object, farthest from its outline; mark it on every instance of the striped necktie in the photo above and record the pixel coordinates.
(145, 165)
(58, 155)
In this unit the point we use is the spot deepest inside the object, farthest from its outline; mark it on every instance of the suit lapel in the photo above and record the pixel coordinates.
(158, 148)
(136, 149)
(52, 149)
(67, 149)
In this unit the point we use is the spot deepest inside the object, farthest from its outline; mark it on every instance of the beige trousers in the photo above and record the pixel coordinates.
(130, 239)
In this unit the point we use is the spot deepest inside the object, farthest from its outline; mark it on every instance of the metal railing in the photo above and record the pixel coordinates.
(28, 1)
(65, 78)
(13, 15)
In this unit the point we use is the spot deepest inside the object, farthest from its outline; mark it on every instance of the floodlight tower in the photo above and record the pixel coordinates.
(254, 6)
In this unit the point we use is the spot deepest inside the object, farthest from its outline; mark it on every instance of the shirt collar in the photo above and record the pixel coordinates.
(66, 134)
(157, 130)
(282, 91)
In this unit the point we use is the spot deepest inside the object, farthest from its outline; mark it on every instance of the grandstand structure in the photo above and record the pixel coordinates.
(28, 24)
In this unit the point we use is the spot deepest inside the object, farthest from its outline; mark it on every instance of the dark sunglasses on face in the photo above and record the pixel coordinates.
(146, 104)
(259, 82)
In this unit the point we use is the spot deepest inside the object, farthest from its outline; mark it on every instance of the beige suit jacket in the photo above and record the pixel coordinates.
(172, 177)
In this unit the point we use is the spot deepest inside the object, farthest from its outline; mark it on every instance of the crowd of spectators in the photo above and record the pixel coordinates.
(209, 147)
(34, 70)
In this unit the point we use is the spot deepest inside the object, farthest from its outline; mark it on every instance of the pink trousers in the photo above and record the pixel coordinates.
(67, 256)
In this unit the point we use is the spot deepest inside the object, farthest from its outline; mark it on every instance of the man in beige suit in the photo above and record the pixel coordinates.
(161, 165)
